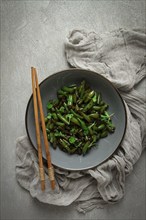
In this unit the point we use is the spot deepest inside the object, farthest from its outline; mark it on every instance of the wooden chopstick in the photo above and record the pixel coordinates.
(41, 167)
(46, 143)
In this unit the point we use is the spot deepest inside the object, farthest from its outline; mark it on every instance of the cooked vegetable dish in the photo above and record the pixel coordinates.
(77, 119)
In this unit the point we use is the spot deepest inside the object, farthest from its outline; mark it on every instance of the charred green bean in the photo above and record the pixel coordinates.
(77, 119)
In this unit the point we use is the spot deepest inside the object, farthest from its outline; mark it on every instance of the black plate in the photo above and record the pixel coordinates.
(105, 147)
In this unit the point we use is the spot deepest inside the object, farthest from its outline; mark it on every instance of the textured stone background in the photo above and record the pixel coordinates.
(33, 34)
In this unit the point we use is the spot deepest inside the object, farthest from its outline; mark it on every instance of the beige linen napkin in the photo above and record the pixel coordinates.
(119, 56)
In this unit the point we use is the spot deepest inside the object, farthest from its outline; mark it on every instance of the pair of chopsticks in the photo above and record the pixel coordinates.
(37, 102)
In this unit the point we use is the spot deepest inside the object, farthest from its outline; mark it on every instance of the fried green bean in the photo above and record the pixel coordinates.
(70, 100)
(77, 119)
(86, 117)
(88, 106)
(81, 89)
(76, 114)
(62, 118)
(104, 134)
(68, 89)
(85, 148)
(94, 115)
(101, 127)
(89, 96)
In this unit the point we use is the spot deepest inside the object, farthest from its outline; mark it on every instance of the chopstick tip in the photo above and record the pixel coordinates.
(43, 185)
(53, 184)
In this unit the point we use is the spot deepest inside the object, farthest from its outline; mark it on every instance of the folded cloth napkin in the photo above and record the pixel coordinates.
(120, 57)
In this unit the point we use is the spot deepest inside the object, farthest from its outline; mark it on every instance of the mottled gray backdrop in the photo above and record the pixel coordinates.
(33, 34)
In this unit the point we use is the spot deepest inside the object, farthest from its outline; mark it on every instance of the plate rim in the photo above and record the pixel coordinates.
(125, 113)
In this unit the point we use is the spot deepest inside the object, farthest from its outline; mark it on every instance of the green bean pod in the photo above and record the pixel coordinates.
(70, 100)
(110, 128)
(61, 109)
(61, 92)
(68, 89)
(94, 115)
(50, 125)
(104, 134)
(77, 107)
(97, 108)
(86, 117)
(89, 96)
(103, 108)
(76, 114)
(85, 148)
(95, 128)
(101, 103)
(74, 98)
(86, 94)
(98, 98)
(81, 89)
(59, 134)
(64, 144)
(101, 127)
(82, 123)
(91, 131)
(62, 118)
(65, 106)
(60, 124)
(88, 106)
(51, 137)
(73, 150)
(54, 115)
(75, 121)
(95, 98)
(94, 138)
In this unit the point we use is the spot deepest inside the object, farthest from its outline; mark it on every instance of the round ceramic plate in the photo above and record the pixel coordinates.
(105, 147)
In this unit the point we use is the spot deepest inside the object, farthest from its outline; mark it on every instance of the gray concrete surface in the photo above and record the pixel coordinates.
(33, 34)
